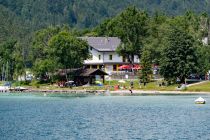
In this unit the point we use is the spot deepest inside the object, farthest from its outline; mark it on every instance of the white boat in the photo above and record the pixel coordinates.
(4, 88)
(20, 89)
(200, 100)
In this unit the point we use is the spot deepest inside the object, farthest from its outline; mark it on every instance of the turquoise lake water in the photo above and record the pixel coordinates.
(35, 117)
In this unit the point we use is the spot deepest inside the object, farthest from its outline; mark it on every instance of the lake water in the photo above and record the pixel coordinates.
(35, 117)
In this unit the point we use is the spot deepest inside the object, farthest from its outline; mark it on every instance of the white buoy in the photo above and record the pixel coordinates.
(200, 100)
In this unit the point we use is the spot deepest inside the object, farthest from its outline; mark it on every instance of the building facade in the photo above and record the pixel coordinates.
(103, 54)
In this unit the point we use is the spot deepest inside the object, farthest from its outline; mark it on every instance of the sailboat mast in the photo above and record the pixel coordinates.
(7, 72)
(2, 73)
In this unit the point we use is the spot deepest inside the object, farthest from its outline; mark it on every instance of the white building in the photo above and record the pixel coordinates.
(103, 51)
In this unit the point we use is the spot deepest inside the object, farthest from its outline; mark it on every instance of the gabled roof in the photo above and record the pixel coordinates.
(89, 72)
(103, 44)
(81, 72)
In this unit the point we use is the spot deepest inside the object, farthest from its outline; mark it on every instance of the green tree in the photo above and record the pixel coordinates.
(203, 59)
(19, 66)
(7, 59)
(146, 64)
(179, 58)
(157, 29)
(132, 29)
(56, 48)
(68, 51)
(42, 63)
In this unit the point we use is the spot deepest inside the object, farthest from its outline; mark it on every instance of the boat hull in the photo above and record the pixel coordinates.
(203, 102)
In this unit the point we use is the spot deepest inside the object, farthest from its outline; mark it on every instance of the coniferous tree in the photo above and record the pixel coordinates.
(146, 65)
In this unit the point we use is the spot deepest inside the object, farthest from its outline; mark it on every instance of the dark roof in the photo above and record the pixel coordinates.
(89, 72)
(103, 43)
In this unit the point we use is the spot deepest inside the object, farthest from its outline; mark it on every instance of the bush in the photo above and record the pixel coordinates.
(35, 83)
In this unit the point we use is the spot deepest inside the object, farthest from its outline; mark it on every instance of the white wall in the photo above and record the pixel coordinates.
(109, 68)
(105, 58)
(115, 57)
(136, 59)
(95, 57)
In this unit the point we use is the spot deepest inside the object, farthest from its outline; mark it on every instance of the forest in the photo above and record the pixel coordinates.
(160, 32)
(23, 17)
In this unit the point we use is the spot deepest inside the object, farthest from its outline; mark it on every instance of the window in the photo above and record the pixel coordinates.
(114, 67)
(100, 66)
(99, 57)
(110, 57)
(123, 59)
(94, 66)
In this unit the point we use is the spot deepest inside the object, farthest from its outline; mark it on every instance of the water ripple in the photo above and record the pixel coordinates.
(104, 118)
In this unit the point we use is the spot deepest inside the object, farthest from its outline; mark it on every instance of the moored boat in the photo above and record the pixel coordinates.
(4, 89)
(200, 100)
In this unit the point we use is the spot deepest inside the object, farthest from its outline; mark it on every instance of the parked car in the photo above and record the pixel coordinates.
(70, 84)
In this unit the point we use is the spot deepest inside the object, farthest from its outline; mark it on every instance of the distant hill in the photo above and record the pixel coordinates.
(23, 16)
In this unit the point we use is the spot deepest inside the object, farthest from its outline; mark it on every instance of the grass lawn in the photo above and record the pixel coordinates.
(112, 84)
(201, 87)
(149, 86)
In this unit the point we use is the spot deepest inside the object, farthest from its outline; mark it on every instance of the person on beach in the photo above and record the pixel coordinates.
(130, 89)
(131, 84)
(140, 83)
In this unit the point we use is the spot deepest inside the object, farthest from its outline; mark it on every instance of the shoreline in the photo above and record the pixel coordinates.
(114, 93)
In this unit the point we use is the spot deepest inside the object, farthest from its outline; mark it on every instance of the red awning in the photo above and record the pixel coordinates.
(126, 67)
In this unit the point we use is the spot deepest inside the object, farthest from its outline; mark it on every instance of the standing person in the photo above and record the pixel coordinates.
(131, 90)
(140, 83)
(131, 84)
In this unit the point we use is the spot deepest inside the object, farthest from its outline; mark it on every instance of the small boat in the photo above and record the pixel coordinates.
(4, 89)
(200, 100)
(20, 89)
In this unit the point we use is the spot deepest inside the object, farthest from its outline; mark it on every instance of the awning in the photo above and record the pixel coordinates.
(124, 67)
(127, 67)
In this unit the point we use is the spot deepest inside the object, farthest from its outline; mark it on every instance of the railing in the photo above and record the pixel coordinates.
(123, 75)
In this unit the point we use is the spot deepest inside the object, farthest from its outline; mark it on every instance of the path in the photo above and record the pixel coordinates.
(197, 83)
(153, 92)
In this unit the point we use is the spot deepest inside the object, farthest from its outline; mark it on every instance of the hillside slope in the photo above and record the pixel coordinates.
(25, 16)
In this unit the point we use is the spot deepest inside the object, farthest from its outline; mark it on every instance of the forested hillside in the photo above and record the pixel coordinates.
(20, 18)
(88, 13)
(29, 33)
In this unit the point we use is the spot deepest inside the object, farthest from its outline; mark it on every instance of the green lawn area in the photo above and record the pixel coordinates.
(150, 86)
(111, 84)
(201, 87)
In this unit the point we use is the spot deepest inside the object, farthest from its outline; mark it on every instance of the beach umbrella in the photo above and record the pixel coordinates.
(136, 67)
(121, 81)
(98, 82)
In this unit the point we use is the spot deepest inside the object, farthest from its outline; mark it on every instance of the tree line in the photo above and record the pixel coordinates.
(173, 43)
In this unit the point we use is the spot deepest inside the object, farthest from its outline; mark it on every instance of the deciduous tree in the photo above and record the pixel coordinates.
(179, 58)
